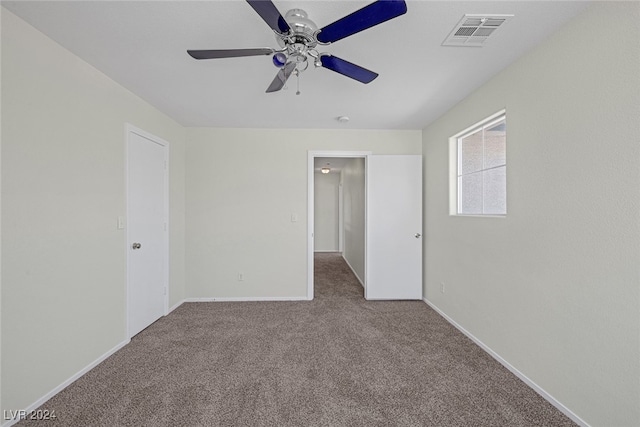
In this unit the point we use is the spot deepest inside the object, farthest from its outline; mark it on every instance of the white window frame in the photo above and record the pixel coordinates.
(454, 193)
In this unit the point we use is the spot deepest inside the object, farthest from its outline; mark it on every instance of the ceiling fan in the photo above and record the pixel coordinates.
(299, 37)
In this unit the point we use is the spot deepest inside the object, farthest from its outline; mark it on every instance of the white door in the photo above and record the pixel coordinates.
(146, 230)
(394, 227)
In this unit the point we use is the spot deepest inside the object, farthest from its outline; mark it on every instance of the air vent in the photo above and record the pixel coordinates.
(474, 30)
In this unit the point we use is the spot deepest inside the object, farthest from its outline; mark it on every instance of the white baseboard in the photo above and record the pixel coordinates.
(576, 419)
(332, 251)
(354, 272)
(35, 405)
(175, 306)
(245, 299)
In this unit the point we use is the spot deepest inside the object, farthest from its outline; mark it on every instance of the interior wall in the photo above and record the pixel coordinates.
(63, 188)
(242, 223)
(353, 177)
(553, 288)
(1, 407)
(325, 216)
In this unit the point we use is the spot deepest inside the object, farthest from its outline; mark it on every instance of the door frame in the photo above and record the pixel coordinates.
(340, 218)
(311, 156)
(130, 130)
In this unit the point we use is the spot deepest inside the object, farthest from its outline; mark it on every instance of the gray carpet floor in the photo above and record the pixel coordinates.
(338, 360)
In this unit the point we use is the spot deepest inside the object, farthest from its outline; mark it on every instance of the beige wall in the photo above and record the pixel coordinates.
(242, 187)
(554, 287)
(326, 215)
(1, 407)
(353, 177)
(63, 258)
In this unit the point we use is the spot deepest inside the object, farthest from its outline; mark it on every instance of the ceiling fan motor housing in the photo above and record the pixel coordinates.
(298, 42)
(302, 30)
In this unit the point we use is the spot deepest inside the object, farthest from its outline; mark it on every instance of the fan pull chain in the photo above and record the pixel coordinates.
(298, 76)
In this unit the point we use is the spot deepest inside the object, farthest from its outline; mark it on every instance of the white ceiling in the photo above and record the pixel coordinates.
(142, 45)
(336, 164)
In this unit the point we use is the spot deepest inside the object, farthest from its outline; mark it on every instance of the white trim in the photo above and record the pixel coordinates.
(35, 405)
(454, 163)
(245, 299)
(511, 368)
(129, 129)
(481, 123)
(479, 216)
(311, 155)
(178, 304)
(327, 251)
(353, 270)
(310, 222)
(340, 215)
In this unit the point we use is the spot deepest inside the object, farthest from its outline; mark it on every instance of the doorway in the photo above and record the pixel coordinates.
(147, 251)
(391, 266)
(343, 227)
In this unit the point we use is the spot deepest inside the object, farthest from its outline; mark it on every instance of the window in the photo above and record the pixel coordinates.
(481, 166)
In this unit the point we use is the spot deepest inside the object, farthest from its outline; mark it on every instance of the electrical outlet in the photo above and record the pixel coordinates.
(240, 277)
(442, 287)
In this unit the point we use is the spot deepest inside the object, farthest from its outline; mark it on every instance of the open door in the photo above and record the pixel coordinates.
(394, 227)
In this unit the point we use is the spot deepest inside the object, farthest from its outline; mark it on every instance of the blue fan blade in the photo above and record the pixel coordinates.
(367, 17)
(348, 69)
(270, 14)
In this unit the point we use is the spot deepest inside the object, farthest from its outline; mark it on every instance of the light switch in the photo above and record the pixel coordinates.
(120, 223)
(294, 217)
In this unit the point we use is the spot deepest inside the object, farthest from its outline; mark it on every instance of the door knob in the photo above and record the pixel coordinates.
(418, 235)
(136, 246)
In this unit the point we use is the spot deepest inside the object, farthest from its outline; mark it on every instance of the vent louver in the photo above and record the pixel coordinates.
(474, 30)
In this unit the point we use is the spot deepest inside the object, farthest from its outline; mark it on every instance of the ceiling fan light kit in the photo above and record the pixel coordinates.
(298, 37)
(279, 59)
